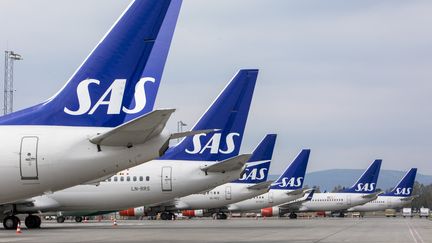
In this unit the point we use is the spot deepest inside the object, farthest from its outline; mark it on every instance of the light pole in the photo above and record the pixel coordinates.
(10, 57)
(180, 125)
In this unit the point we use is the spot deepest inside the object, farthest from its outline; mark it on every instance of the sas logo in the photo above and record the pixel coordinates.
(290, 182)
(403, 191)
(213, 144)
(115, 93)
(254, 174)
(365, 187)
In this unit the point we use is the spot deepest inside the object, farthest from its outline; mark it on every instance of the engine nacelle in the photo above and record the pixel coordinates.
(133, 212)
(270, 212)
(193, 213)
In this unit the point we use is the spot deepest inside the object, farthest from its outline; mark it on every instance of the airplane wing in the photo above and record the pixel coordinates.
(261, 185)
(230, 164)
(136, 131)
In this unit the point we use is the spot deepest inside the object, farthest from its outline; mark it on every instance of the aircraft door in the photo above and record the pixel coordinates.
(228, 193)
(166, 177)
(348, 199)
(270, 196)
(28, 158)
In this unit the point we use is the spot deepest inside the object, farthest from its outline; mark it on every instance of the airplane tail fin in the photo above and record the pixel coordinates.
(119, 80)
(310, 195)
(259, 163)
(293, 176)
(367, 181)
(228, 113)
(405, 186)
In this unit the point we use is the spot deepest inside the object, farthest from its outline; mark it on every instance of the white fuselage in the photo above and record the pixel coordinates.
(153, 182)
(269, 199)
(381, 203)
(43, 159)
(333, 201)
(218, 197)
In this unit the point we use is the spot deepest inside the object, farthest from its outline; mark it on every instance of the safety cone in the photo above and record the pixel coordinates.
(18, 230)
(115, 223)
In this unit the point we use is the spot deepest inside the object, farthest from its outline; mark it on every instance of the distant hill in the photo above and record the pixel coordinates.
(328, 179)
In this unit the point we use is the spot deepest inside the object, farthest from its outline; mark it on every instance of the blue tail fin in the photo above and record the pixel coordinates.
(367, 181)
(310, 196)
(229, 113)
(293, 176)
(405, 186)
(119, 80)
(258, 165)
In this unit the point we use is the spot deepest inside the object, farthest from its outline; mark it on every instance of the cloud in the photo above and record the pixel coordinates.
(348, 79)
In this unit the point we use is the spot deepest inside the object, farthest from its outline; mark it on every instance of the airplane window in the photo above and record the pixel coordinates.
(128, 178)
(115, 178)
(121, 178)
(141, 178)
(134, 178)
(109, 179)
(147, 178)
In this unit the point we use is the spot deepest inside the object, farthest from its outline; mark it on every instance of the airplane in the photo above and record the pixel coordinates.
(363, 191)
(395, 199)
(253, 182)
(288, 187)
(102, 121)
(196, 164)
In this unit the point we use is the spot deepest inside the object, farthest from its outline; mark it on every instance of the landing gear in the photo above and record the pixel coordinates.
(78, 219)
(10, 222)
(292, 216)
(60, 219)
(33, 222)
(341, 215)
(167, 216)
(221, 216)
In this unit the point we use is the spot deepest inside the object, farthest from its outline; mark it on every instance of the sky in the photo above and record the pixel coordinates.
(351, 80)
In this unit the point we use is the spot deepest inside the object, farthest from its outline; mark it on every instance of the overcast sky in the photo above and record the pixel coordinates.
(352, 80)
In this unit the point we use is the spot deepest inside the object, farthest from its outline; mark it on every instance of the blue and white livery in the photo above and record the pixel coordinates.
(397, 198)
(102, 121)
(363, 191)
(164, 179)
(286, 188)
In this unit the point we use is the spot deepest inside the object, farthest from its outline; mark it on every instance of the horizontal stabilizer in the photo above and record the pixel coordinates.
(372, 196)
(301, 191)
(260, 186)
(136, 131)
(190, 133)
(233, 163)
(408, 199)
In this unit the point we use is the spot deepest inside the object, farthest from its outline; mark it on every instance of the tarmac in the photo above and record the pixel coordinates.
(333, 230)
